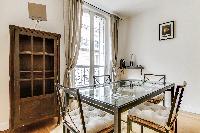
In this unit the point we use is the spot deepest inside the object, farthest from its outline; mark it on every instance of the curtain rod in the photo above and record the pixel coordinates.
(100, 9)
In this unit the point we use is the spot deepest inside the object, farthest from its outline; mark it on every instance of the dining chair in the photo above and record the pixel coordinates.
(157, 117)
(84, 118)
(161, 79)
(102, 79)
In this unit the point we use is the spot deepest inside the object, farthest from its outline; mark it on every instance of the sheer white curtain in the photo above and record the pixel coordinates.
(72, 35)
(114, 25)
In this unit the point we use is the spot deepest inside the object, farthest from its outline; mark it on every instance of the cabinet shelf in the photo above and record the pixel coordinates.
(38, 78)
(49, 54)
(25, 79)
(49, 71)
(25, 52)
(25, 71)
(38, 53)
(37, 71)
(50, 78)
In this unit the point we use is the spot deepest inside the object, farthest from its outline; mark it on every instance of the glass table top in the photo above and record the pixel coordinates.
(121, 92)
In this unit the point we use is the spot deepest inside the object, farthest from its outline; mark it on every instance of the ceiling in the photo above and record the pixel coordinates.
(125, 8)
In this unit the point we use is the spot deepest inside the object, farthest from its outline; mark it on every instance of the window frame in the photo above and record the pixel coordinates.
(92, 13)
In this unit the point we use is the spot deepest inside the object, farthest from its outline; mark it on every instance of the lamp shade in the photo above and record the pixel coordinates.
(37, 12)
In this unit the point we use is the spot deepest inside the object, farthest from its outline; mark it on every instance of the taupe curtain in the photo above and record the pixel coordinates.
(72, 35)
(114, 25)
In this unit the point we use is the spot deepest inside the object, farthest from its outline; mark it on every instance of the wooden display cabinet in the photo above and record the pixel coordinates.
(34, 69)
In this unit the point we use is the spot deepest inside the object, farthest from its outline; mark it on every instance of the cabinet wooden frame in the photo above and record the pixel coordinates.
(32, 77)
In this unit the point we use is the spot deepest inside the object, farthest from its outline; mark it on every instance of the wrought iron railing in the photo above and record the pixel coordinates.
(82, 74)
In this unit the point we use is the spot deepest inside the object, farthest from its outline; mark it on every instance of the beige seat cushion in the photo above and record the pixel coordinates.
(95, 119)
(151, 112)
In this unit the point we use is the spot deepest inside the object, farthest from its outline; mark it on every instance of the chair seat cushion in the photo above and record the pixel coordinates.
(157, 99)
(151, 112)
(95, 119)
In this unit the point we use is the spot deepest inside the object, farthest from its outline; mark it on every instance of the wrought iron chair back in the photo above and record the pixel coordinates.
(63, 96)
(102, 79)
(176, 104)
(156, 78)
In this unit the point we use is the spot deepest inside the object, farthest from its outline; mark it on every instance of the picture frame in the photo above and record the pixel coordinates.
(166, 30)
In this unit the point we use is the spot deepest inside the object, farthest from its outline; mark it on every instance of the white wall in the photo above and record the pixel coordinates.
(15, 12)
(178, 58)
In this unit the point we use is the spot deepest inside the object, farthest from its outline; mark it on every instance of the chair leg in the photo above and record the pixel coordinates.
(164, 100)
(176, 126)
(129, 125)
(63, 129)
(142, 129)
(58, 122)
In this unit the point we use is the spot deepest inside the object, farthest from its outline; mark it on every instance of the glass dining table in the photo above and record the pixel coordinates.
(118, 97)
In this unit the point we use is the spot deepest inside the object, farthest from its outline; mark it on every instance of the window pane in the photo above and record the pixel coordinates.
(99, 70)
(84, 52)
(83, 63)
(99, 40)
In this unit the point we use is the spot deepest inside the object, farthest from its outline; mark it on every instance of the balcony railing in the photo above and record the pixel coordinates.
(82, 74)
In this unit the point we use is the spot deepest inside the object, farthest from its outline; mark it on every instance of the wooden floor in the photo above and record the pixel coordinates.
(45, 126)
(187, 123)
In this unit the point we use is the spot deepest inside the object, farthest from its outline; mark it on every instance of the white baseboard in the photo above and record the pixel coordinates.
(4, 126)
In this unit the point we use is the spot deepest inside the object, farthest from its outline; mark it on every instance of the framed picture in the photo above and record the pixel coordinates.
(166, 30)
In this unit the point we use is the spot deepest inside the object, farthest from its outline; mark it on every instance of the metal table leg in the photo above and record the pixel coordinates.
(176, 126)
(172, 97)
(172, 94)
(117, 122)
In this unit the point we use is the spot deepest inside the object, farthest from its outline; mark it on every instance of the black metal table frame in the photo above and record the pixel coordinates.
(116, 111)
